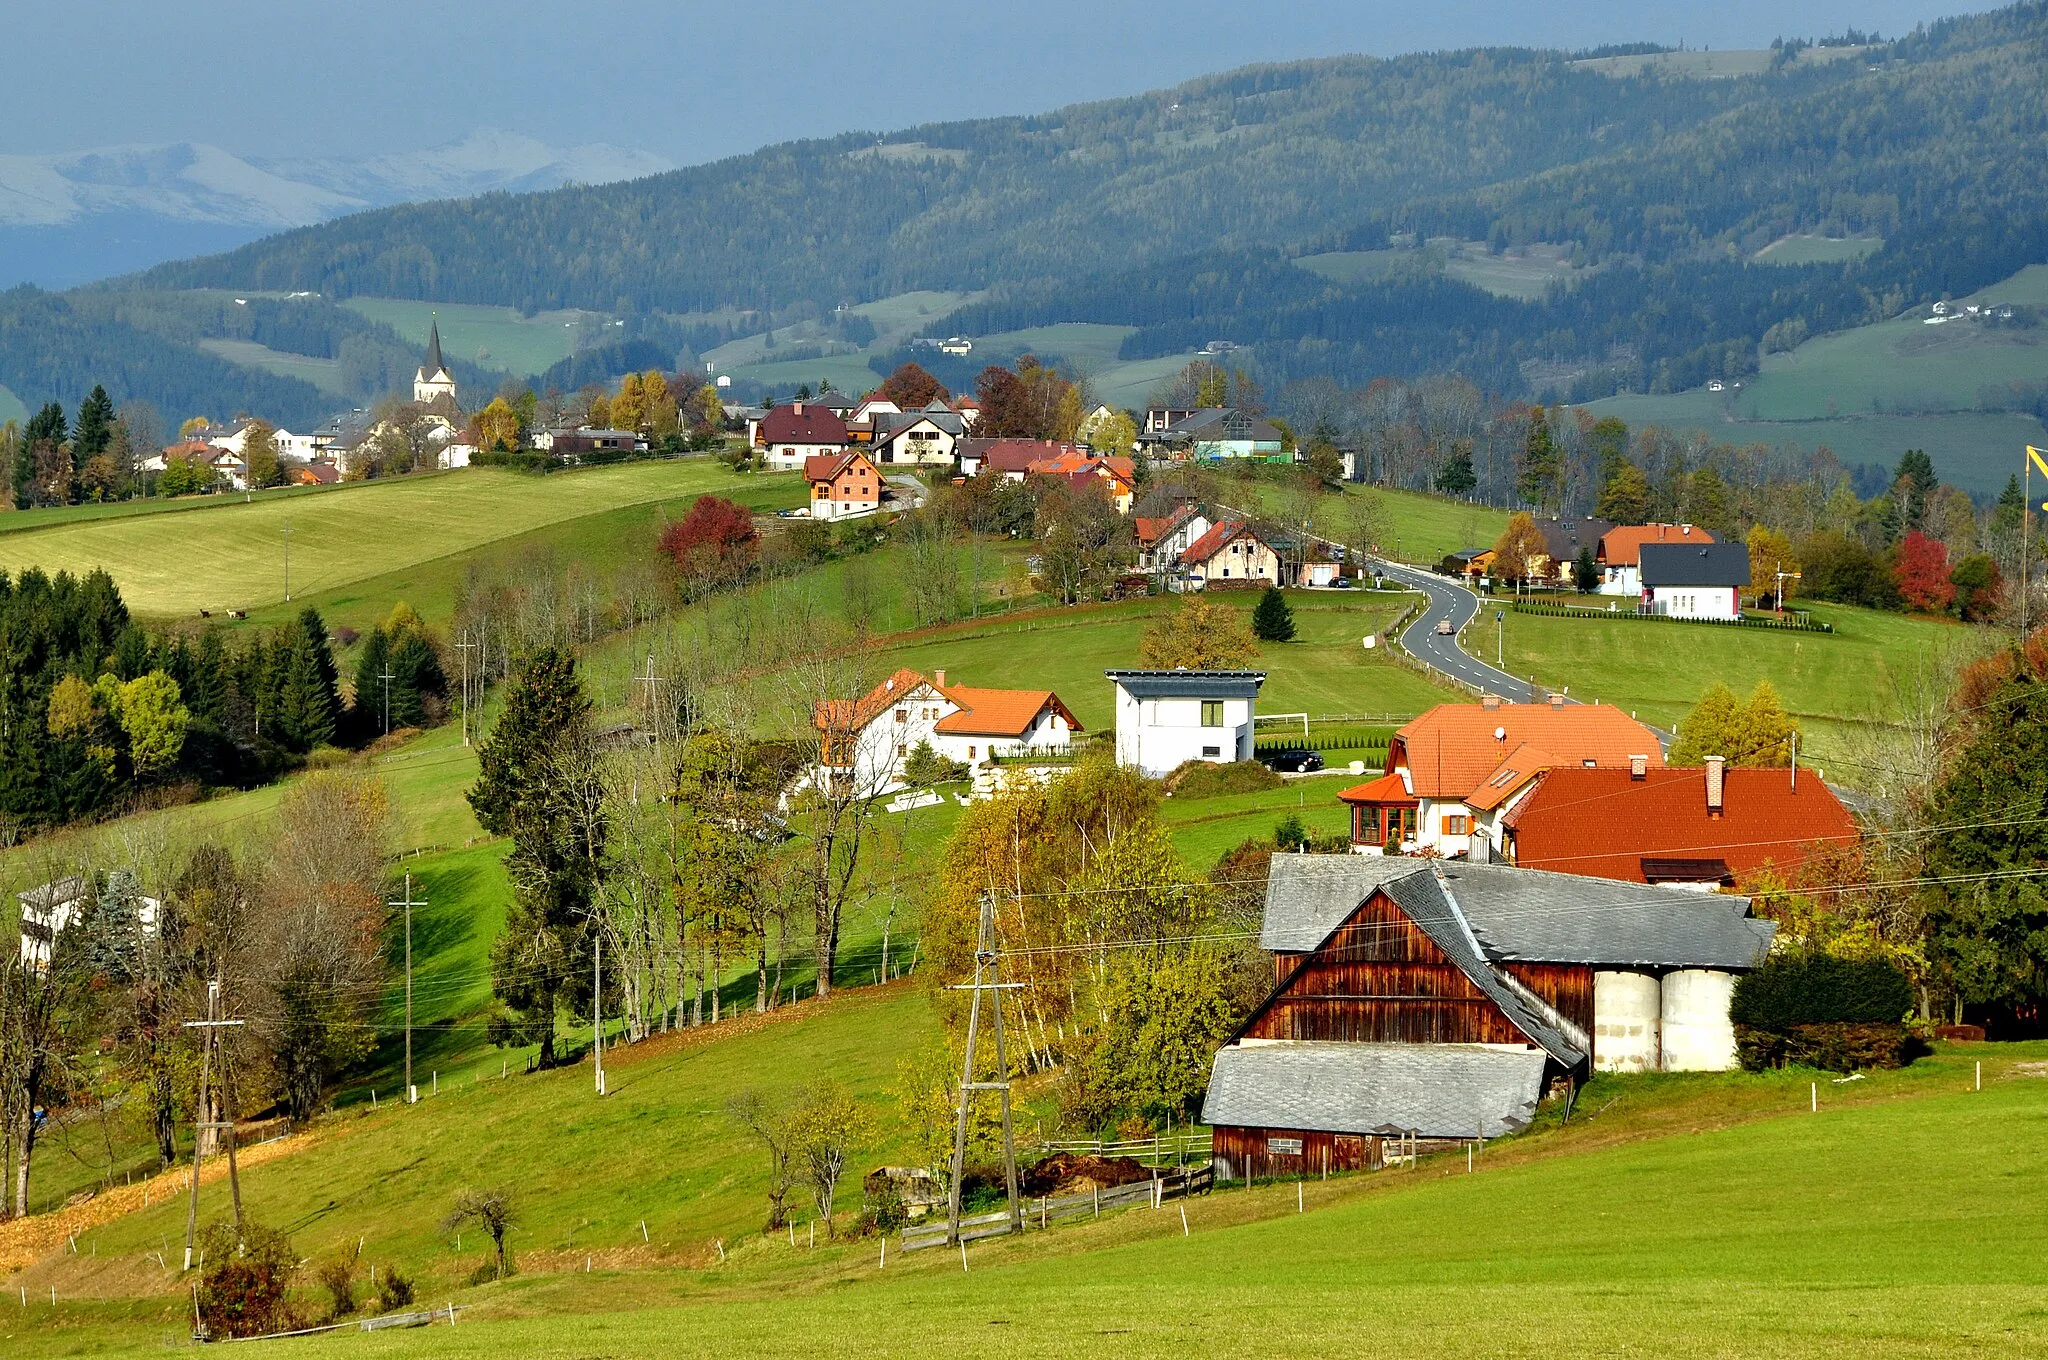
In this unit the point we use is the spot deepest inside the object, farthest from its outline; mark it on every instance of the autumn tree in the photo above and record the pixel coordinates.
(1980, 588)
(1922, 572)
(714, 544)
(261, 465)
(1112, 434)
(1198, 635)
(497, 427)
(1520, 549)
(1626, 498)
(1756, 732)
(910, 387)
(825, 1124)
(1770, 552)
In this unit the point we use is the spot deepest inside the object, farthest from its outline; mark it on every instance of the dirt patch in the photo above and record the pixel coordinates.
(1066, 1173)
(2030, 1069)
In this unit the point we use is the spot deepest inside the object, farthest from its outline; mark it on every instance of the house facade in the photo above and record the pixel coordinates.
(789, 435)
(1164, 539)
(922, 438)
(1439, 1002)
(868, 740)
(843, 485)
(1620, 554)
(1694, 581)
(1230, 554)
(1455, 773)
(1165, 719)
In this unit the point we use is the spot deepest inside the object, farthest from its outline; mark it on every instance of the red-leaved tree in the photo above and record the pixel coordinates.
(910, 387)
(712, 545)
(1921, 570)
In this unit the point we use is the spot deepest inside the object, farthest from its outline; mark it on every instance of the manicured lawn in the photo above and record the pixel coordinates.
(1837, 685)
(1203, 828)
(232, 555)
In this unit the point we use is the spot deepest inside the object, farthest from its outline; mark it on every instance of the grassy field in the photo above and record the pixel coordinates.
(1798, 249)
(1842, 687)
(324, 374)
(231, 555)
(490, 337)
(1685, 1216)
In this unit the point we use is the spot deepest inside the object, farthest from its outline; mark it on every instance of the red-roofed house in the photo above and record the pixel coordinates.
(1010, 458)
(1620, 554)
(1455, 773)
(843, 485)
(1162, 539)
(1700, 826)
(788, 435)
(868, 739)
(1230, 554)
(1115, 475)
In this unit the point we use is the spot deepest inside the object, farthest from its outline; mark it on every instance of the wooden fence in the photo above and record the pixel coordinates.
(1179, 1148)
(1044, 1212)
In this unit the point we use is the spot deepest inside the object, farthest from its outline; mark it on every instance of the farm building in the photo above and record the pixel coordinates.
(1441, 1001)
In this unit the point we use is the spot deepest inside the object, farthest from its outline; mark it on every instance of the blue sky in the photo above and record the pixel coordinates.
(694, 81)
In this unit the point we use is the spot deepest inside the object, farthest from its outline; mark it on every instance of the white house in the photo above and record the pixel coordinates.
(54, 907)
(1700, 581)
(1619, 554)
(788, 435)
(920, 437)
(1166, 718)
(867, 740)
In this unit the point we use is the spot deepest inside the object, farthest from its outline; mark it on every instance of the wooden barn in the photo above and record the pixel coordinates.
(1439, 1001)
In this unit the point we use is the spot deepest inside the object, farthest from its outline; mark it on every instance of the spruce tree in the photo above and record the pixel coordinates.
(1542, 470)
(526, 769)
(416, 678)
(367, 714)
(46, 428)
(1456, 477)
(206, 694)
(2012, 505)
(317, 681)
(95, 427)
(1273, 621)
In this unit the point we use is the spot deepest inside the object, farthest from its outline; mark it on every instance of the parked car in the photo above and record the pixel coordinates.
(1292, 762)
(1443, 627)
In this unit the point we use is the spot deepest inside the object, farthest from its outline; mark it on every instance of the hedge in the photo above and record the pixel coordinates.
(1819, 989)
(1830, 1047)
(1562, 611)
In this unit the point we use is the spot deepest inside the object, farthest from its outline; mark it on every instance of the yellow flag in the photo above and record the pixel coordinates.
(2039, 462)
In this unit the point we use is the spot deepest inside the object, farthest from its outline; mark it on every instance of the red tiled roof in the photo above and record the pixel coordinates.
(1000, 712)
(1622, 546)
(1388, 788)
(824, 467)
(1512, 775)
(1213, 542)
(1013, 455)
(807, 422)
(1603, 824)
(1451, 751)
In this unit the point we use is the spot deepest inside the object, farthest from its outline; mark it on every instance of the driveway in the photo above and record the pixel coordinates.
(910, 492)
(1449, 600)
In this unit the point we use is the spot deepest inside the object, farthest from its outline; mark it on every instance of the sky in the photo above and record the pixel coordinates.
(694, 81)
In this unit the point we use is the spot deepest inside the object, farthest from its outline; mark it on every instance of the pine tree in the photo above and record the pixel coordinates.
(206, 693)
(1273, 621)
(524, 789)
(95, 427)
(1542, 470)
(2012, 505)
(416, 678)
(1455, 477)
(320, 684)
(367, 715)
(46, 428)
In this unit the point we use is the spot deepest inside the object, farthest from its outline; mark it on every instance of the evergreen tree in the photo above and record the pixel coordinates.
(131, 653)
(95, 428)
(1585, 571)
(417, 680)
(1541, 475)
(2012, 505)
(1456, 477)
(46, 428)
(529, 772)
(368, 715)
(207, 691)
(317, 681)
(1912, 483)
(1273, 621)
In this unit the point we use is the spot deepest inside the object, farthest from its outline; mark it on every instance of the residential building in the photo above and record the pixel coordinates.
(860, 426)
(1703, 581)
(867, 740)
(1455, 772)
(922, 438)
(1230, 554)
(1164, 719)
(843, 485)
(1164, 539)
(1438, 1002)
(1563, 541)
(569, 443)
(789, 435)
(434, 380)
(1619, 555)
(1010, 458)
(1703, 827)
(55, 907)
(1215, 432)
(1160, 419)
(1115, 477)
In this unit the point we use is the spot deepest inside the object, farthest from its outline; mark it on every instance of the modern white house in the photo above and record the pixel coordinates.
(868, 740)
(1619, 555)
(1165, 719)
(1696, 581)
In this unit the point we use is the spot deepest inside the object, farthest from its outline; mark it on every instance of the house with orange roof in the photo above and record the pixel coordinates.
(1162, 539)
(1620, 554)
(843, 485)
(867, 740)
(1231, 554)
(1114, 475)
(1704, 826)
(1456, 773)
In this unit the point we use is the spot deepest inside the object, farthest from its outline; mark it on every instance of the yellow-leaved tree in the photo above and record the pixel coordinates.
(1198, 636)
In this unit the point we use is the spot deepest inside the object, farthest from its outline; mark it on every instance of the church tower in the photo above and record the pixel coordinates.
(433, 381)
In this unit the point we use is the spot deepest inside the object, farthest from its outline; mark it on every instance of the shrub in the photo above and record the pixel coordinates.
(1821, 1011)
(1200, 779)
(1272, 620)
(924, 767)
(243, 1285)
(1289, 833)
(1830, 1047)
(395, 1291)
(338, 1278)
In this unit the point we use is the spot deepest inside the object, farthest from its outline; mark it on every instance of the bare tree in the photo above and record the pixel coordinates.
(491, 1210)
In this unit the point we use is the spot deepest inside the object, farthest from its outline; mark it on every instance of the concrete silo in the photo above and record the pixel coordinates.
(1628, 1012)
(1698, 1035)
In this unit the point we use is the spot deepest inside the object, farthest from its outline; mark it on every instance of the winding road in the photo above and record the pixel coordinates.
(1442, 652)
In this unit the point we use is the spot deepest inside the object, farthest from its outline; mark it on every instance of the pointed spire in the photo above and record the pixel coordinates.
(433, 364)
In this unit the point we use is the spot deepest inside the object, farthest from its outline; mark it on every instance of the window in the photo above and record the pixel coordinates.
(970, 753)
(1211, 752)
(1212, 713)
(903, 715)
(902, 749)
(1456, 825)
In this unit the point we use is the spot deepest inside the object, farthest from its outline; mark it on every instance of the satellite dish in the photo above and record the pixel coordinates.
(1500, 734)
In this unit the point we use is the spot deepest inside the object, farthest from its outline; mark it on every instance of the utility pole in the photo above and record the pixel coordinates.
(465, 648)
(1500, 640)
(597, 1010)
(386, 678)
(287, 561)
(411, 1093)
(212, 1025)
(1783, 576)
(987, 964)
(2027, 526)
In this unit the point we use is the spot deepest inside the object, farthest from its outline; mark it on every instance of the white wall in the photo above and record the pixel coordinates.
(1627, 1013)
(1158, 735)
(1696, 602)
(1698, 1034)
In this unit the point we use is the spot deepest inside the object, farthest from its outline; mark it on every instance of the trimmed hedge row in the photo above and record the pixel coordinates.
(1830, 1047)
(1816, 1010)
(1561, 611)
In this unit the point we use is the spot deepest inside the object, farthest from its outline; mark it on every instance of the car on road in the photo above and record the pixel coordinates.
(1292, 762)
(1443, 628)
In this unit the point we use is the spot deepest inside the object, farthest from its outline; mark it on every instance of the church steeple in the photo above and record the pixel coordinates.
(433, 381)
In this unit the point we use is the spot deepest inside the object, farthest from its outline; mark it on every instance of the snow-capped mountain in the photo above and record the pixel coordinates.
(70, 218)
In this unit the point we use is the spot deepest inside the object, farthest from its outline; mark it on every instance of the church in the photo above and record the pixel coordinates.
(433, 381)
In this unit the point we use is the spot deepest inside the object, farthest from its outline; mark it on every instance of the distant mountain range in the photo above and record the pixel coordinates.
(73, 218)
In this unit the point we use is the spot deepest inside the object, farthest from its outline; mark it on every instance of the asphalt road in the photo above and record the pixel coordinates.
(1449, 600)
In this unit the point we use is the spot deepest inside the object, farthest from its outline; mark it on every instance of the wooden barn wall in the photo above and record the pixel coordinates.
(1566, 986)
(1381, 979)
(1239, 1148)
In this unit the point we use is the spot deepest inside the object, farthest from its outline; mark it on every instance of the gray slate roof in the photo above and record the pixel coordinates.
(1695, 564)
(1433, 1090)
(1190, 684)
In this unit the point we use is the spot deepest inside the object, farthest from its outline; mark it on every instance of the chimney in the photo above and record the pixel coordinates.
(1557, 701)
(1489, 701)
(939, 679)
(1714, 764)
(799, 410)
(1638, 767)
